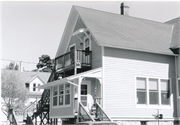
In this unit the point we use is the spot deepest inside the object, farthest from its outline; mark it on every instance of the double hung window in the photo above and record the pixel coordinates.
(55, 92)
(165, 92)
(34, 87)
(152, 91)
(141, 91)
(61, 94)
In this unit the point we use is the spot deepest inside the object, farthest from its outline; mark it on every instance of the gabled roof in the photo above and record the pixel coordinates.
(27, 77)
(176, 32)
(120, 31)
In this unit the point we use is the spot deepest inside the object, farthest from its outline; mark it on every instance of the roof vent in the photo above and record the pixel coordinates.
(124, 9)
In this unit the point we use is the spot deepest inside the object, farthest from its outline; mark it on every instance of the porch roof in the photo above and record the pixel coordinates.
(95, 73)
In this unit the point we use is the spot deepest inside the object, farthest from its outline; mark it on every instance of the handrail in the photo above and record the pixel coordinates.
(68, 59)
(81, 105)
(98, 106)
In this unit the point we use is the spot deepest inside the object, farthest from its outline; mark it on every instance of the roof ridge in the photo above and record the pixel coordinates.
(121, 15)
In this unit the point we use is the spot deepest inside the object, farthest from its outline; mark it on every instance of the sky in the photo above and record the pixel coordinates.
(32, 29)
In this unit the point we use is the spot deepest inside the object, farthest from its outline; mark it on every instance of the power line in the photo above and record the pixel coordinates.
(19, 61)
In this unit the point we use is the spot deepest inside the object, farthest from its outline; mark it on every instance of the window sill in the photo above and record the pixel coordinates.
(62, 106)
(154, 106)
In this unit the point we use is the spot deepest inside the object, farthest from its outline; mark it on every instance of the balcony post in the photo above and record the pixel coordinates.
(75, 60)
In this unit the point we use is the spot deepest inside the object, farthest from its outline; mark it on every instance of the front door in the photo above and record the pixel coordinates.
(86, 98)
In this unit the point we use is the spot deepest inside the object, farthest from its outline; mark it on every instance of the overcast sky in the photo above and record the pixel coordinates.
(31, 29)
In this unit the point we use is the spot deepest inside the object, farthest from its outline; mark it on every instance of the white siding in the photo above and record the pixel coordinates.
(120, 70)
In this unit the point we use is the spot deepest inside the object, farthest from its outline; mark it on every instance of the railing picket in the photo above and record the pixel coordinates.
(72, 57)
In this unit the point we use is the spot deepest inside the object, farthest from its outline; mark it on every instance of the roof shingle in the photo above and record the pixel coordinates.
(120, 31)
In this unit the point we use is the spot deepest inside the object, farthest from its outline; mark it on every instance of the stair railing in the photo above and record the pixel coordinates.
(83, 114)
(100, 114)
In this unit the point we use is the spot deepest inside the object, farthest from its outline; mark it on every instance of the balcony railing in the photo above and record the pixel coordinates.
(78, 58)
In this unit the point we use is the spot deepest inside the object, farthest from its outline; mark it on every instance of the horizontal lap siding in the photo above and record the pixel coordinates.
(63, 111)
(96, 55)
(120, 69)
(96, 49)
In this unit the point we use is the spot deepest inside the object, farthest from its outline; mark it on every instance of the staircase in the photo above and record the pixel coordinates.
(96, 113)
(41, 112)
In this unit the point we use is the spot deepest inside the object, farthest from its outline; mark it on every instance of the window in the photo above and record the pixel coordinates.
(67, 94)
(152, 91)
(27, 86)
(84, 94)
(87, 44)
(165, 91)
(141, 91)
(34, 87)
(61, 95)
(55, 92)
(61, 92)
(179, 87)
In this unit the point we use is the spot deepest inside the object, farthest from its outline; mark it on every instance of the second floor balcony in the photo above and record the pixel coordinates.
(73, 62)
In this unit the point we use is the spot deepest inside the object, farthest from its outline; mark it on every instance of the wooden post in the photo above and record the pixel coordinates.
(75, 61)
(79, 97)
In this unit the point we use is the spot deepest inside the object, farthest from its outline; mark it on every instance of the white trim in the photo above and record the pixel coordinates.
(103, 85)
(178, 86)
(88, 83)
(65, 30)
(58, 82)
(139, 50)
(82, 30)
(87, 37)
(72, 46)
(64, 94)
(70, 35)
(147, 105)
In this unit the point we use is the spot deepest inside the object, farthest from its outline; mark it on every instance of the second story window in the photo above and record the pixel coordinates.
(34, 87)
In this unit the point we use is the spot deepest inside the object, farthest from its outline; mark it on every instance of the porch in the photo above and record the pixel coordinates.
(78, 97)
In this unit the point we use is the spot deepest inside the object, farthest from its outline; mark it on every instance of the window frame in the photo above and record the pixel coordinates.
(84, 45)
(34, 87)
(148, 105)
(178, 88)
(58, 95)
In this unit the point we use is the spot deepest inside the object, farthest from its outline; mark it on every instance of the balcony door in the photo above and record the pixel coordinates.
(71, 49)
(87, 48)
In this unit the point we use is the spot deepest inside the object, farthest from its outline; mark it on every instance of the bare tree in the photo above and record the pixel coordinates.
(13, 91)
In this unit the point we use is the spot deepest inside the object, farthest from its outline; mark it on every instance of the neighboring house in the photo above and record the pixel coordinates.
(130, 66)
(31, 81)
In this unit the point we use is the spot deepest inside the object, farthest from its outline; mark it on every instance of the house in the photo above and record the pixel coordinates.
(31, 81)
(116, 67)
